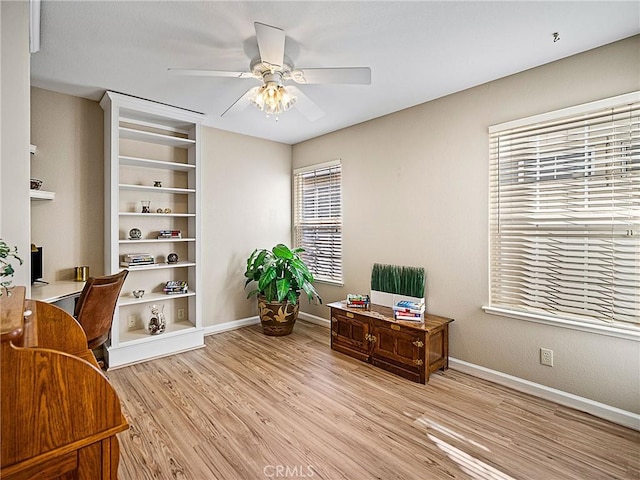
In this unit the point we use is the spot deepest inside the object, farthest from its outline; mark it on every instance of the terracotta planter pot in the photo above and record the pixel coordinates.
(278, 318)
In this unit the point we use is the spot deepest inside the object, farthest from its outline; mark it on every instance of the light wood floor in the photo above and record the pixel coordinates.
(252, 407)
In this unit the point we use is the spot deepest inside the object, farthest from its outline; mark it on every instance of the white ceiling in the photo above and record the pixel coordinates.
(417, 51)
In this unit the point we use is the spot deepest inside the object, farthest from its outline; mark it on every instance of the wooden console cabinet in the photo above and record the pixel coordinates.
(411, 350)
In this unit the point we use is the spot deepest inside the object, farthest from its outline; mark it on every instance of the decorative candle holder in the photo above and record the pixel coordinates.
(146, 206)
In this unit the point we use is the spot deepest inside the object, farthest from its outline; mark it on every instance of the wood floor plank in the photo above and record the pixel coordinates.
(254, 407)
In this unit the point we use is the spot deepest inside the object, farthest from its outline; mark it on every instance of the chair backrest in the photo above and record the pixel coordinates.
(95, 307)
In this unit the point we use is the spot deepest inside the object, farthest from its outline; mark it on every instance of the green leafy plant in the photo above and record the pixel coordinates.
(6, 269)
(408, 281)
(280, 274)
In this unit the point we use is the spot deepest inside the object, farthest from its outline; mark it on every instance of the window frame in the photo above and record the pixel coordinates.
(627, 330)
(337, 221)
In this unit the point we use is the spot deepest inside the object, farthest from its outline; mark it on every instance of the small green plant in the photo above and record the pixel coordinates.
(6, 269)
(280, 274)
(408, 281)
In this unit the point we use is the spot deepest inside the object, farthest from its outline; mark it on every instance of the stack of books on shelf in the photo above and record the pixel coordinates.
(358, 301)
(409, 311)
(174, 286)
(169, 234)
(137, 259)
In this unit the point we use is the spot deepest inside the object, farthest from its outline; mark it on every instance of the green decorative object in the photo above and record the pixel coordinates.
(398, 280)
(6, 269)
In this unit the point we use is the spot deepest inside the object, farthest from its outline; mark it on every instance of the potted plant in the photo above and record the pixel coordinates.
(6, 269)
(281, 277)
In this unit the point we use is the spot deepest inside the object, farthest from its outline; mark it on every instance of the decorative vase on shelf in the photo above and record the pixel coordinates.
(157, 322)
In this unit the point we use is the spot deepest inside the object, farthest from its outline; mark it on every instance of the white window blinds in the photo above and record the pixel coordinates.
(565, 213)
(318, 219)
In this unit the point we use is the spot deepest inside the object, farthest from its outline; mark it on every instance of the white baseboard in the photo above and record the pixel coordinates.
(244, 322)
(601, 410)
(314, 319)
(232, 325)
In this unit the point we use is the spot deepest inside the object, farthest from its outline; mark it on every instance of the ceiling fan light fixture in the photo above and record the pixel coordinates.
(273, 98)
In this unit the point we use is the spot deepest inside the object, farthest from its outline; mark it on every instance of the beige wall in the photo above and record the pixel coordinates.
(14, 137)
(247, 205)
(416, 193)
(70, 160)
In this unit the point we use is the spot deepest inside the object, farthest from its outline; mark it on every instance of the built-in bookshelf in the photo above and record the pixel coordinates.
(152, 155)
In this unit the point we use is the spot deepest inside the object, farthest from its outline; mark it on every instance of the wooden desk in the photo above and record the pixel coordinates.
(411, 350)
(60, 414)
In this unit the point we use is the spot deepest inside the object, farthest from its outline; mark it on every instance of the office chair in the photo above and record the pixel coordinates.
(96, 305)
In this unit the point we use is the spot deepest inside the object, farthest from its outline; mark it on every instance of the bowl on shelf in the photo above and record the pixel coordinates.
(36, 184)
(138, 293)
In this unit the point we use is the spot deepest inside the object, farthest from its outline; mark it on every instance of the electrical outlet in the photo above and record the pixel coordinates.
(546, 357)
(132, 321)
(181, 314)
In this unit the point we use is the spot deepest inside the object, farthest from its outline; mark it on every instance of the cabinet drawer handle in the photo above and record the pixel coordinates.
(334, 319)
(370, 338)
(418, 362)
(334, 333)
(395, 327)
(418, 343)
(350, 315)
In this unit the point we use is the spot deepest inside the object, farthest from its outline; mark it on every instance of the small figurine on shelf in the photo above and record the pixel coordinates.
(157, 322)
(157, 183)
(172, 258)
(135, 234)
(146, 206)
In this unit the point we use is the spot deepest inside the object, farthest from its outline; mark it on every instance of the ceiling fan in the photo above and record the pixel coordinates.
(274, 70)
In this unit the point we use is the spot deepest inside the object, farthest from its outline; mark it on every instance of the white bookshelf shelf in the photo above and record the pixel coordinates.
(152, 297)
(150, 137)
(41, 195)
(159, 266)
(141, 335)
(149, 188)
(157, 240)
(140, 214)
(149, 163)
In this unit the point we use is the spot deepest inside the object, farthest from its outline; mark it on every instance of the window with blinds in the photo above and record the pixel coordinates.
(317, 205)
(565, 213)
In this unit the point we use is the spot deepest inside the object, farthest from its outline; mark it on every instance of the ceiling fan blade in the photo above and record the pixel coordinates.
(209, 73)
(305, 105)
(345, 76)
(270, 44)
(241, 103)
